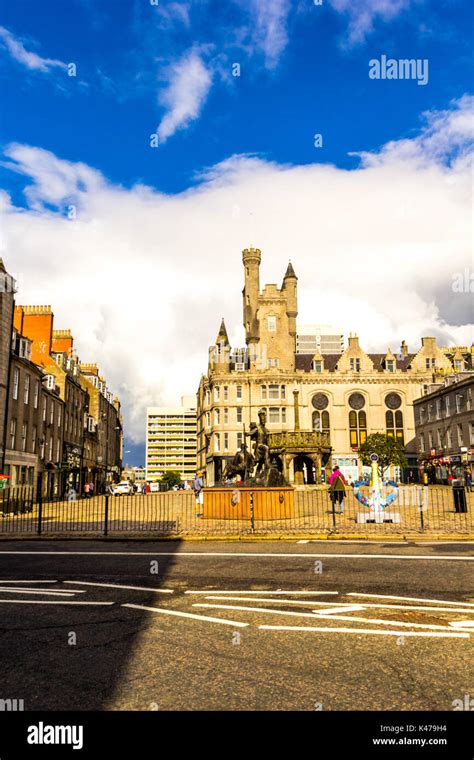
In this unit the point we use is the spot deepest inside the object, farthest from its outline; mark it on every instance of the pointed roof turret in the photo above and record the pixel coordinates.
(290, 272)
(222, 337)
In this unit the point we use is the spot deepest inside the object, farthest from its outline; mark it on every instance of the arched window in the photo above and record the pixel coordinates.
(357, 428)
(321, 422)
(394, 419)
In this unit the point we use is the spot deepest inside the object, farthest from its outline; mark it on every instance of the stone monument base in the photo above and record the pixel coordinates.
(234, 502)
(378, 517)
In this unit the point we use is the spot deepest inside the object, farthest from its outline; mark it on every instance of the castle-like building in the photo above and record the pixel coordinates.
(320, 407)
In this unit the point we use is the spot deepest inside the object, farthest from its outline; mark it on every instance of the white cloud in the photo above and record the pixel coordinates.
(189, 82)
(143, 278)
(268, 27)
(31, 60)
(362, 14)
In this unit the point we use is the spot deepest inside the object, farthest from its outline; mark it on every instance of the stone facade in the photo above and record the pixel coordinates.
(339, 398)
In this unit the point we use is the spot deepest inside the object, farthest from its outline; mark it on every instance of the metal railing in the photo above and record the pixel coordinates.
(418, 509)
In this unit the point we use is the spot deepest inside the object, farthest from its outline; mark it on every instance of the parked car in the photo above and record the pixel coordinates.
(124, 488)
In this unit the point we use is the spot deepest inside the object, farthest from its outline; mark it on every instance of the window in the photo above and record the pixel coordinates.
(44, 410)
(217, 442)
(208, 419)
(283, 392)
(357, 428)
(26, 397)
(216, 393)
(273, 414)
(51, 414)
(226, 392)
(460, 436)
(217, 416)
(390, 365)
(226, 441)
(355, 365)
(422, 415)
(42, 448)
(321, 422)
(59, 418)
(471, 434)
(226, 416)
(264, 391)
(34, 439)
(16, 381)
(36, 396)
(58, 451)
(459, 400)
(430, 363)
(273, 392)
(468, 403)
(429, 412)
(459, 365)
(239, 414)
(24, 434)
(447, 406)
(273, 363)
(240, 440)
(448, 438)
(238, 391)
(430, 439)
(283, 414)
(438, 408)
(50, 455)
(317, 365)
(12, 433)
(394, 425)
(208, 398)
(422, 442)
(271, 324)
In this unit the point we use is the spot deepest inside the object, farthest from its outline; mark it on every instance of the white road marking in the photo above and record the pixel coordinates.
(439, 634)
(246, 555)
(370, 605)
(35, 591)
(118, 585)
(17, 582)
(462, 623)
(335, 610)
(377, 621)
(186, 615)
(274, 600)
(256, 609)
(59, 601)
(263, 591)
(411, 599)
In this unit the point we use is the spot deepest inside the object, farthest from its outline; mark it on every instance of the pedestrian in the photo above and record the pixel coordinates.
(426, 479)
(337, 490)
(71, 494)
(468, 480)
(86, 490)
(147, 488)
(91, 489)
(198, 485)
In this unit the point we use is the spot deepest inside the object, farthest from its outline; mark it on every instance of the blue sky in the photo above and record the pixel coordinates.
(168, 68)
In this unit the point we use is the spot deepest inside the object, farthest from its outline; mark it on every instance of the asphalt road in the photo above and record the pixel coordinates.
(66, 655)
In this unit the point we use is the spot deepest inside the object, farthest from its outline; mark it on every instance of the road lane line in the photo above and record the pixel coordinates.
(370, 605)
(411, 599)
(35, 591)
(378, 621)
(462, 623)
(256, 609)
(335, 610)
(246, 555)
(17, 582)
(58, 601)
(118, 585)
(186, 615)
(274, 600)
(375, 632)
(263, 591)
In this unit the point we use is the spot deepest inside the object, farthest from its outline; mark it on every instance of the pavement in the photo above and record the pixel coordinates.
(284, 625)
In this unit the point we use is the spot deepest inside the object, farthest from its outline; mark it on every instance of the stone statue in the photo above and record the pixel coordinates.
(244, 463)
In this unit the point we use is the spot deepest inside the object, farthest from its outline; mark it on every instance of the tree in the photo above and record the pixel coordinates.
(171, 477)
(388, 449)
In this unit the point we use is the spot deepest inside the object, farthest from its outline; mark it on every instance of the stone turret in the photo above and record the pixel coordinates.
(251, 258)
(290, 286)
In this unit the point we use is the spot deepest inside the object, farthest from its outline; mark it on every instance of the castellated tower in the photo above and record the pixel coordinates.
(269, 316)
(251, 258)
